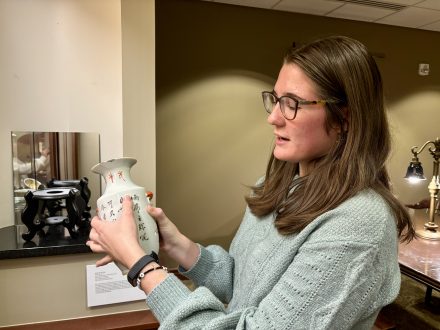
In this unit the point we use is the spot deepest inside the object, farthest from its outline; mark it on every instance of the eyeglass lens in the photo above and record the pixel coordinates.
(288, 105)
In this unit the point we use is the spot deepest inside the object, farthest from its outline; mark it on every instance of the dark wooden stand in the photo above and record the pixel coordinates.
(44, 208)
(420, 259)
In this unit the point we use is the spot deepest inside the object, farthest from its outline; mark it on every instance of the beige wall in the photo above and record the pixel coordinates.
(89, 148)
(68, 59)
(61, 71)
(48, 289)
(415, 119)
(213, 60)
(138, 89)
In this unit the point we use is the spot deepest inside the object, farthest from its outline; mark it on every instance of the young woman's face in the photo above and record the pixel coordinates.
(305, 138)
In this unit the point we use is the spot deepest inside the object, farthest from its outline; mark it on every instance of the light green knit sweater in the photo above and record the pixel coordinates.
(337, 273)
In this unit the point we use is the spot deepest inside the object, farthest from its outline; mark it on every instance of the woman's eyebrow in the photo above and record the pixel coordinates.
(296, 97)
(292, 95)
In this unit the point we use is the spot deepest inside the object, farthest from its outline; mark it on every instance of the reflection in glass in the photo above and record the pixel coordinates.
(41, 157)
(30, 159)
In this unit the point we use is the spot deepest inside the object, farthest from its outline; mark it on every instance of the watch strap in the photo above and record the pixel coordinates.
(134, 271)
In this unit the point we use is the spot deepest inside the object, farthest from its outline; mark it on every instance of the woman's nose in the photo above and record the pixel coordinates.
(276, 117)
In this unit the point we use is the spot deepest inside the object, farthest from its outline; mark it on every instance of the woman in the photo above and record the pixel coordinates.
(317, 248)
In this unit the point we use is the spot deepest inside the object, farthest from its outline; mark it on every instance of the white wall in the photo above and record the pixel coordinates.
(72, 73)
(61, 71)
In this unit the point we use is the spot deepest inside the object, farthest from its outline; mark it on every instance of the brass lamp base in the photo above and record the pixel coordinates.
(430, 231)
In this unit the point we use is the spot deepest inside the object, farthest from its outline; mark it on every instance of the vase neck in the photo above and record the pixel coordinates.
(115, 171)
(117, 176)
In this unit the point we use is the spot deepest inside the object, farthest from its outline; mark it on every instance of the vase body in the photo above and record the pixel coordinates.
(118, 184)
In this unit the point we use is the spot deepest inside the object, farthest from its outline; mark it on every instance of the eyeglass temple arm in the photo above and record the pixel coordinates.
(313, 102)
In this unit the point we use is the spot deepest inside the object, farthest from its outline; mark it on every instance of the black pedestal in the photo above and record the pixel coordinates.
(48, 207)
(83, 186)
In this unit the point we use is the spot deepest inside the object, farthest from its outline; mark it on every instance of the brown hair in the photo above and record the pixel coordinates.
(343, 71)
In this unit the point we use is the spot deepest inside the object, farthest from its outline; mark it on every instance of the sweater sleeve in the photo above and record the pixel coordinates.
(21, 167)
(41, 163)
(213, 270)
(26, 167)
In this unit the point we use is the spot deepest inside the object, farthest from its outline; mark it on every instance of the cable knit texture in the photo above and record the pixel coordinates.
(337, 273)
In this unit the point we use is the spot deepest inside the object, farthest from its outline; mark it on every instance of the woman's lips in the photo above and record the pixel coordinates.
(281, 140)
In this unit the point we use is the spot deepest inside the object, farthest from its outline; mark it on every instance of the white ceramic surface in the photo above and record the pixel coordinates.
(116, 173)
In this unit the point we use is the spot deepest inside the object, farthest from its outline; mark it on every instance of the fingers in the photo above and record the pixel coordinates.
(156, 212)
(127, 211)
(104, 261)
(96, 222)
(102, 233)
(95, 247)
(127, 207)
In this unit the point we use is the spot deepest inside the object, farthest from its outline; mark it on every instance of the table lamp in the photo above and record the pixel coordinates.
(414, 173)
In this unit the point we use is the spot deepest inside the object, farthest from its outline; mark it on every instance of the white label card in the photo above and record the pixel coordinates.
(106, 285)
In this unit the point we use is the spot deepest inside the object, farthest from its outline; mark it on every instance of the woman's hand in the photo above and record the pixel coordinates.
(118, 239)
(45, 152)
(172, 241)
(169, 234)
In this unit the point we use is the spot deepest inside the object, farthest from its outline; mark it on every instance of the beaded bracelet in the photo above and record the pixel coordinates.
(142, 275)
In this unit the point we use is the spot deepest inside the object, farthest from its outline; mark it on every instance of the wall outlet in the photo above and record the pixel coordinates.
(423, 69)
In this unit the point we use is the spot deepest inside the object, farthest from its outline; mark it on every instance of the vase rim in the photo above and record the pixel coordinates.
(127, 161)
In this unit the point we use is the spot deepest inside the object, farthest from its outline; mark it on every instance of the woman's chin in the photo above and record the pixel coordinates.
(282, 156)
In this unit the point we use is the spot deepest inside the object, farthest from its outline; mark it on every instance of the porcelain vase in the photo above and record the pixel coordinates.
(118, 183)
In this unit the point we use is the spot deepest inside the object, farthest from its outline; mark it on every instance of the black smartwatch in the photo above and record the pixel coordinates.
(139, 265)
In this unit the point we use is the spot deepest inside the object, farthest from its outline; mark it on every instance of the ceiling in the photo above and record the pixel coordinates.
(418, 14)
